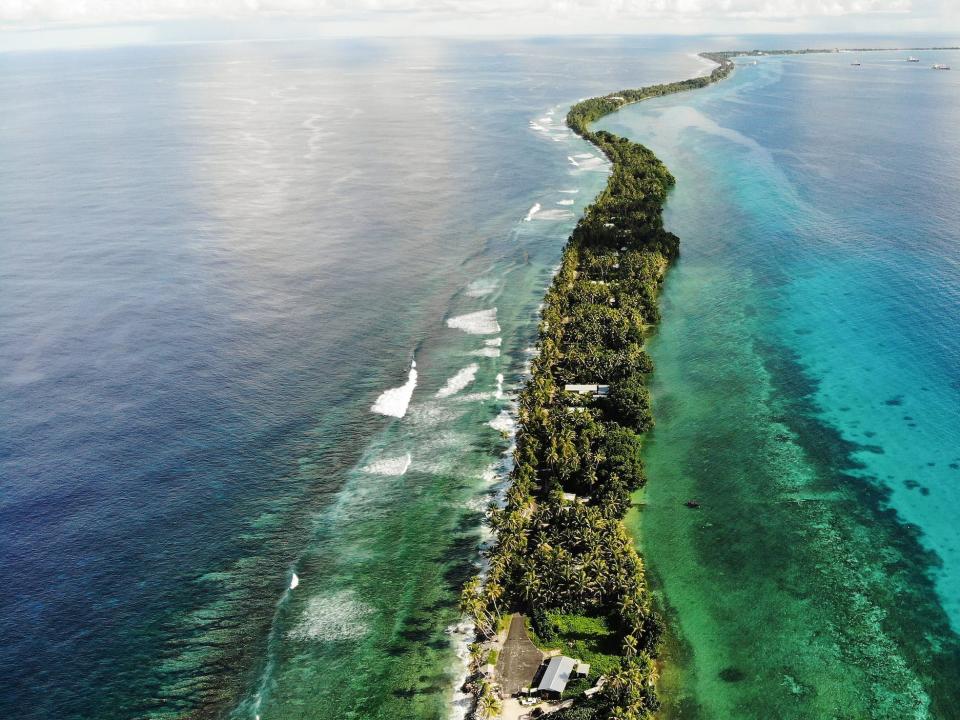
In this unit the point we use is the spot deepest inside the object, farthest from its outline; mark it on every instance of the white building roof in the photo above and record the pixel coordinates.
(592, 389)
(557, 674)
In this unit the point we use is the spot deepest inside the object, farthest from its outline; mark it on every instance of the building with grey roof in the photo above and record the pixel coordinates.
(557, 675)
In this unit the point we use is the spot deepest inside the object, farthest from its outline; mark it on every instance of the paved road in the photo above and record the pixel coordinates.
(519, 660)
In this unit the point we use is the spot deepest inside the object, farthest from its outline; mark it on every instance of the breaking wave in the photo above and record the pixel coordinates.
(394, 402)
(531, 212)
(459, 381)
(555, 215)
(334, 616)
(390, 466)
(482, 322)
(503, 422)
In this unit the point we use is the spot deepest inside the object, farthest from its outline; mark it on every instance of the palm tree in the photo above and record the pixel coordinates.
(477, 653)
(473, 604)
(489, 705)
(567, 451)
(530, 585)
(494, 592)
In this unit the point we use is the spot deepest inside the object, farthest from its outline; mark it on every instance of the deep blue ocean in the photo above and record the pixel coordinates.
(216, 260)
(263, 306)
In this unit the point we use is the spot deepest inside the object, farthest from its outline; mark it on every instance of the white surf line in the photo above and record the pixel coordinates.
(531, 212)
(503, 422)
(555, 214)
(389, 466)
(459, 381)
(394, 402)
(482, 322)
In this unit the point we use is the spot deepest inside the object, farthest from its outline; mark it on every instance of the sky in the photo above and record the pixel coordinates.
(26, 23)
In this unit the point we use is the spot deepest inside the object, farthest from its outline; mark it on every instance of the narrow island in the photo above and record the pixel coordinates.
(563, 569)
(564, 619)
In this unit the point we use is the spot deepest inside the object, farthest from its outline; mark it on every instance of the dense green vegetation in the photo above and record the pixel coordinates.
(590, 639)
(570, 564)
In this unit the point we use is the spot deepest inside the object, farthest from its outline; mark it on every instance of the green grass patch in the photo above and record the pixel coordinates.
(493, 656)
(583, 637)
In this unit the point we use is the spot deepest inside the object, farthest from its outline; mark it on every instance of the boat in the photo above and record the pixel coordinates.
(938, 66)
(856, 63)
(913, 59)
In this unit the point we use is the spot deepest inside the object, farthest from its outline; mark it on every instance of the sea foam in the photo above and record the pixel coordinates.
(531, 212)
(555, 215)
(482, 322)
(594, 163)
(564, 202)
(333, 616)
(459, 381)
(481, 287)
(390, 466)
(394, 402)
(503, 422)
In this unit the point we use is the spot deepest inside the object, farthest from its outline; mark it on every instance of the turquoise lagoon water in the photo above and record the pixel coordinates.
(807, 391)
(217, 261)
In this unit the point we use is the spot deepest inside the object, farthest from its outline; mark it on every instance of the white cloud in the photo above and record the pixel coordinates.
(106, 11)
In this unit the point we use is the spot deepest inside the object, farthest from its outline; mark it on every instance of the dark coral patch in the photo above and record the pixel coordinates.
(732, 675)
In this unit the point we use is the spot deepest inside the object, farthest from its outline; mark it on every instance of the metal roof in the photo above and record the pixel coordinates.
(592, 389)
(557, 674)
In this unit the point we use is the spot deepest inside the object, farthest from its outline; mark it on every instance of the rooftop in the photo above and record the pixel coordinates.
(595, 390)
(557, 674)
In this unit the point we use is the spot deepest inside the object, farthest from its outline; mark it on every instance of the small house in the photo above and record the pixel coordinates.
(556, 676)
(592, 390)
